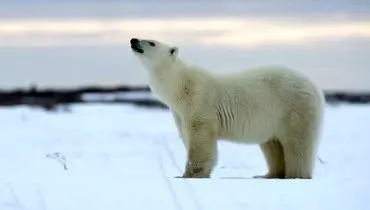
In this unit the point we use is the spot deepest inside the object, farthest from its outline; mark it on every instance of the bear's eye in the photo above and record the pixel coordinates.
(152, 44)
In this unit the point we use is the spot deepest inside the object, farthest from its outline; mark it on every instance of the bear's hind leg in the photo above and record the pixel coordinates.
(274, 156)
(299, 159)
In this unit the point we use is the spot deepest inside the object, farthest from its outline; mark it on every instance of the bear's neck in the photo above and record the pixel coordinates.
(167, 72)
(165, 80)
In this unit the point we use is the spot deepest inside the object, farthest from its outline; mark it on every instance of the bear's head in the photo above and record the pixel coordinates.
(153, 53)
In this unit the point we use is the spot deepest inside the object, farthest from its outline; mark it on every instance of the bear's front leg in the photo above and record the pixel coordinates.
(178, 124)
(202, 152)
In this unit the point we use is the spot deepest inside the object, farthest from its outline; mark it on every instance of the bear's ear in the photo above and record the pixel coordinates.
(174, 51)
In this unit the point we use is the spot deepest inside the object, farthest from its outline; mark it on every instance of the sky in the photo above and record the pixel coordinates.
(328, 40)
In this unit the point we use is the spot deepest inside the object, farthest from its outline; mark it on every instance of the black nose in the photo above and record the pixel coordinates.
(134, 41)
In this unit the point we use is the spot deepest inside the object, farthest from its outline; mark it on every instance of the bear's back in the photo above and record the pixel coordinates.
(251, 104)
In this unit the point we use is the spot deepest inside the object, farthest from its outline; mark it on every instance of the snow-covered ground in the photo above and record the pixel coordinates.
(124, 157)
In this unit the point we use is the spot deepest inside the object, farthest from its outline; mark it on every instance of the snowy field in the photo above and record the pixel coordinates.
(124, 157)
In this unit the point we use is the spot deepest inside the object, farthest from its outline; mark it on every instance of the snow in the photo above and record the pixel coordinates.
(91, 97)
(125, 157)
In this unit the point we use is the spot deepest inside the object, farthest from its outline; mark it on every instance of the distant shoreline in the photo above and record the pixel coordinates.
(51, 99)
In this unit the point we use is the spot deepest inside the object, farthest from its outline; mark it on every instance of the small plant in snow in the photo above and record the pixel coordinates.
(60, 158)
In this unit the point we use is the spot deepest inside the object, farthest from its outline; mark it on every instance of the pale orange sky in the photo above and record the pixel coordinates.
(231, 32)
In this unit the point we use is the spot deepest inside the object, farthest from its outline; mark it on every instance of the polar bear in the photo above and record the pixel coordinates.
(276, 108)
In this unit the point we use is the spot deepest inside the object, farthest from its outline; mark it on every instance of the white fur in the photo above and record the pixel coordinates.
(279, 109)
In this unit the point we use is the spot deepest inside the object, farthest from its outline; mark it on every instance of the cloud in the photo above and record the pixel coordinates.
(234, 32)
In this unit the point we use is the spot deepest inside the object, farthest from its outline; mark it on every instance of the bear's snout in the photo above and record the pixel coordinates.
(135, 45)
(134, 41)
